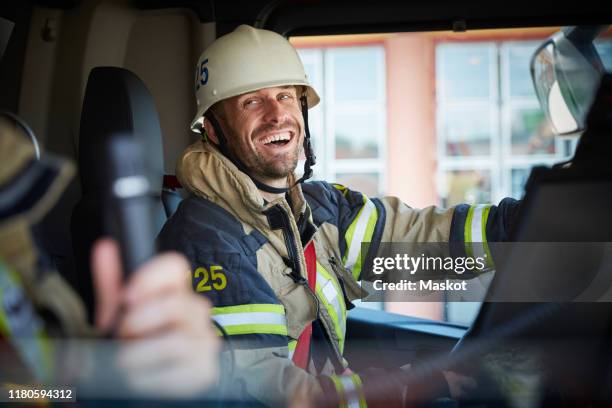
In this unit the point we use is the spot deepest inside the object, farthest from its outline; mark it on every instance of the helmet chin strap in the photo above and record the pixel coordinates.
(237, 162)
(310, 157)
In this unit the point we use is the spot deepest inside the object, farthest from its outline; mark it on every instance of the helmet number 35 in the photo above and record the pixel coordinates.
(202, 77)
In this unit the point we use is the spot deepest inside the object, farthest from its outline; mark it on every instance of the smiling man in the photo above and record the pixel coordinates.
(265, 128)
(281, 258)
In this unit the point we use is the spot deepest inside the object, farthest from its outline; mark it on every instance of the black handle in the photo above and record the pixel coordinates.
(129, 202)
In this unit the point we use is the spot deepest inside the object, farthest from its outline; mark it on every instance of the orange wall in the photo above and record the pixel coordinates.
(411, 141)
(411, 138)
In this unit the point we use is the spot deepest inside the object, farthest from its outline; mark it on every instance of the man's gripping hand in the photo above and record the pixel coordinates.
(170, 346)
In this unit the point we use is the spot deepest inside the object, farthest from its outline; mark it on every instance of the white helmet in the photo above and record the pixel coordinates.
(246, 60)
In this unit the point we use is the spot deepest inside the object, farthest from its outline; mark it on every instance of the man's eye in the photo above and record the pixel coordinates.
(250, 102)
(282, 97)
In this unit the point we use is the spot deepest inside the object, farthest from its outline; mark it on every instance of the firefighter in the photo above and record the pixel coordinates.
(40, 315)
(280, 258)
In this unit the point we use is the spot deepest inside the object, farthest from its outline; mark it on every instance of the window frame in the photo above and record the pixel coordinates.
(502, 104)
(324, 132)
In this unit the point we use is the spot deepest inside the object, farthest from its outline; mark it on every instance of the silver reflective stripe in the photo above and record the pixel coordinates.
(350, 391)
(234, 319)
(291, 346)
(477, 238)
(359, 233)
(328, 289)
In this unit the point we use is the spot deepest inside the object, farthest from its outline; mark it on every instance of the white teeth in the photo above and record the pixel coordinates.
(277, 137)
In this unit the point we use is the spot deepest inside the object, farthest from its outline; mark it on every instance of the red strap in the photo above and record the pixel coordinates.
(311, 264)
(302, 350)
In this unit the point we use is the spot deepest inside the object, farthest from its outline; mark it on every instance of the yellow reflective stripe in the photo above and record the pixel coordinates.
(339, 390)
(252, 319)
(29, 339)
(291, 346)
(252, 307)
(476, 224)
(350, 391)
(356, 269)
(256, 329)
(340, 188)
(467, 239)
(360, 230)
(6, 281)
(359, 385)
(485, 243)
(475, 232)
(334, 316)
(335, 307)
(340, 306)
(4, 326)
(44, 345)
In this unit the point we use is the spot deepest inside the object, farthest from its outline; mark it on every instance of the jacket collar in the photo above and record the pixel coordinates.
(205, 172)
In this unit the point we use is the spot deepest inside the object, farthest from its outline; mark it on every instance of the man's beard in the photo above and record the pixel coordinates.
(281, 169)
(259, 166)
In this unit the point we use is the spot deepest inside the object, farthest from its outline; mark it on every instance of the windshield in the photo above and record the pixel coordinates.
(433, 118)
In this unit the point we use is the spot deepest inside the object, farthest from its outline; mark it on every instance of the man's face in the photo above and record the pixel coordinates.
(264, 129)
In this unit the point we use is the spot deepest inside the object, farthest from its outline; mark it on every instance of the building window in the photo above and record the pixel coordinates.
(349, 126)
(490, 127)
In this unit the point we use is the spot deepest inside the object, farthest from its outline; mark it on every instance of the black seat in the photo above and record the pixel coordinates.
(115, 101)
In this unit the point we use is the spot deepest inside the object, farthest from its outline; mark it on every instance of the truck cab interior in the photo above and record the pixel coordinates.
(75, 71)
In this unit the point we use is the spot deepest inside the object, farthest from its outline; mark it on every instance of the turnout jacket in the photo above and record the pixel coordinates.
(36, 303)
(247, 257)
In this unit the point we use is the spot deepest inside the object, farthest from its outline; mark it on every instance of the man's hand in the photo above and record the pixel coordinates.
(170, 346)
(459, 385)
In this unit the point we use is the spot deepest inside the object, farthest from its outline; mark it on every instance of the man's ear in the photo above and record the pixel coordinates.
(210, 131)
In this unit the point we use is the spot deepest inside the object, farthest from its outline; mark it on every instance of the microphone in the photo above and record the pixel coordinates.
(128, 203)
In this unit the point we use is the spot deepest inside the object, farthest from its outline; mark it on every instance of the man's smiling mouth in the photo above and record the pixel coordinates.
(277, 139)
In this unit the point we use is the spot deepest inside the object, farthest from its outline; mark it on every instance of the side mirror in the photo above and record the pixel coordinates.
(566, 70)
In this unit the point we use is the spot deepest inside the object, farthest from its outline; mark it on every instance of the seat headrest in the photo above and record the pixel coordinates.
(115, 101)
